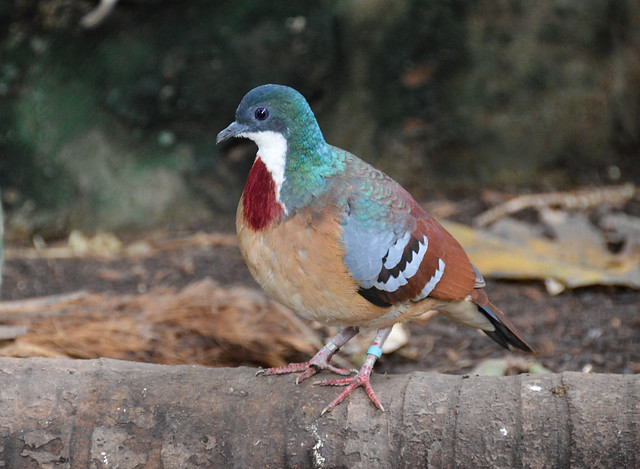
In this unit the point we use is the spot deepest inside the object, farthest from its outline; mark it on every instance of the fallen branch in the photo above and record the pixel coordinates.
(583, 198)
(108, 413)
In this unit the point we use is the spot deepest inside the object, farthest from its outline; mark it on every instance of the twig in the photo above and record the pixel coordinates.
(31, 305)
(582, 198)
(98, 14)
(138, 249)
(11, 332)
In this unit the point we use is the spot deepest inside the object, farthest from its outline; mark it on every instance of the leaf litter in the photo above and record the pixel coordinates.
(188, 298)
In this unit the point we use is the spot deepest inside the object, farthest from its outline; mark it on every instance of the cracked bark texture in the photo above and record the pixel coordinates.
(109, 413)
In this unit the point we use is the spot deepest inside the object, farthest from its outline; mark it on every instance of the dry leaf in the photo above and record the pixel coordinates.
(571, 262)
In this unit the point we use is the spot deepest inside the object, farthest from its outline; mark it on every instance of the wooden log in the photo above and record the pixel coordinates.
(110, 413)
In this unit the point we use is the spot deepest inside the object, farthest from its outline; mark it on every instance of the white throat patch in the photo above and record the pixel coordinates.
(272, 150)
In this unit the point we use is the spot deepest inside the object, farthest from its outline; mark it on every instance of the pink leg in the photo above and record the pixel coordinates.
(362, 378)
(320, 360)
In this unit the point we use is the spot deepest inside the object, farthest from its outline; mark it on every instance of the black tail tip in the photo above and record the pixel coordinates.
(506, 341)
(502, 334)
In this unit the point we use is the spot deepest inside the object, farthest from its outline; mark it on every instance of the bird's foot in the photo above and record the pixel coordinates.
(319, 362)
(361, 379)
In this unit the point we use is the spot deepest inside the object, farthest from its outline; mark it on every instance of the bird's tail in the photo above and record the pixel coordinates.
(504, 332)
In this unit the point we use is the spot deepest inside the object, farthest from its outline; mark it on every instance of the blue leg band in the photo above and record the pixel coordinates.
(375, 351)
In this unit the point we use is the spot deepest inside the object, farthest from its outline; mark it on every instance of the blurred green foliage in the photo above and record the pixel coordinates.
(114, 127)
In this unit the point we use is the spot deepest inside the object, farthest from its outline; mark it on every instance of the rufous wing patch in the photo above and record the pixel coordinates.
(458, 279)
(431, 264)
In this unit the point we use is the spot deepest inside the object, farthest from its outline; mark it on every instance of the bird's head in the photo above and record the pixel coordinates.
(279, 120)
(290, 144)
(274, 116)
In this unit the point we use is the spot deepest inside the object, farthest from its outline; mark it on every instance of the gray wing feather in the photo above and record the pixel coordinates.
(376, 224)
(365, 250)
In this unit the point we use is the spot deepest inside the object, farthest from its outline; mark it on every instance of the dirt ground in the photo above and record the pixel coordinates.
(596, 329)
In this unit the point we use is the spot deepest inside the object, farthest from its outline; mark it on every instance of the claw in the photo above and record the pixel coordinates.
(320, 361)
(309, 372)
(282, 370)
(314, 368)
(307, 369)
(361, 379)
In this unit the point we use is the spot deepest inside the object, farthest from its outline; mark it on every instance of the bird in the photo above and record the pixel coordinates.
(340, 242)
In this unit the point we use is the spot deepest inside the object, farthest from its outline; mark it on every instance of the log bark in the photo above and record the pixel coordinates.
(109, 413)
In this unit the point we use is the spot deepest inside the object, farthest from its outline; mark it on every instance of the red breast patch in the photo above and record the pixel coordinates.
(260, 205)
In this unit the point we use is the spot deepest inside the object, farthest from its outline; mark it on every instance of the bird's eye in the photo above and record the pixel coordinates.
(261, 113)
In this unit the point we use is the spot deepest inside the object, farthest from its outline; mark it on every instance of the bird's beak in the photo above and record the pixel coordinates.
(234, 130)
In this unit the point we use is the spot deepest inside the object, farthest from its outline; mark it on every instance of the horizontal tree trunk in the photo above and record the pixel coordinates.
(109, 413)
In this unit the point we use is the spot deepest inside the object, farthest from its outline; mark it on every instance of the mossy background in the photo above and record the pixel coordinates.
(114, 128)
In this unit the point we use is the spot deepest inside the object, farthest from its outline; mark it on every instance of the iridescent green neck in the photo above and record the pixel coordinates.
(306, 172)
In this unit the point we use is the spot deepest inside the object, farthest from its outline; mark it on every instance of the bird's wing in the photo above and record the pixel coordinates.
(396, 251)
